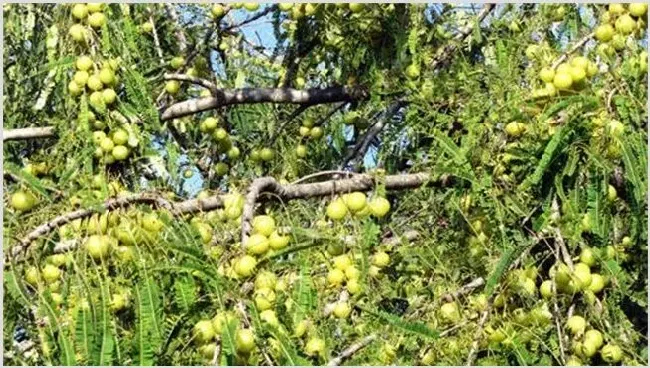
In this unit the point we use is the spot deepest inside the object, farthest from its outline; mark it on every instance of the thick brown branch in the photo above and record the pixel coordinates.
(27, 133)
(345, 354)
(194, 80)
(227, 97)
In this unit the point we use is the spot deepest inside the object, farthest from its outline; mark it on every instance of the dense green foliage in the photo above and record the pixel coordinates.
(546, 197)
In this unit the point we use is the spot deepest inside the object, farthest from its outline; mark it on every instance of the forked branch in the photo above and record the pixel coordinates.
(284, 192)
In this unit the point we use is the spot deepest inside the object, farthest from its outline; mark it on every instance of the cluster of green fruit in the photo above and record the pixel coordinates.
(224, 143)
(585, 344)
(580, 279)
(265, 236)
(357, 204)
(92, 14)
(219, 10)
(112, 147)
(49, 277)
(308, 131)
(300, 10)
(344, 270)
(569, 75)
(206, 331)
(101, 82)
(264, 154)
(233, 207)
(613, 38)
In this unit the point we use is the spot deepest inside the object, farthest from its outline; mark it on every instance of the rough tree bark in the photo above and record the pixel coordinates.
(225, 97)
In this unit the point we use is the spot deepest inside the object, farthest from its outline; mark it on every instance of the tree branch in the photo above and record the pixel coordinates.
(465, 289)
(358, 183)
(361, 147)
(27, 133)
(284, 192)
(194, 80)
(156, 41)
(573, 49)
(226, 97)
(351, 350)
(448, 50)
(258, 15)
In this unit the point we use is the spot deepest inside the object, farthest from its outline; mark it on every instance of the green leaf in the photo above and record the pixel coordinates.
(632, 167)
(415, 328)
(84, 333)
(32, 182)
(184, 292)
(289, 354)
(143, 330)
(559, 141)
(104, 344)
(304, 295)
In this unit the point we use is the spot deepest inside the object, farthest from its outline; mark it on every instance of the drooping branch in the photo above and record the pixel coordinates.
(351, 350)
(359, 182)
(27, 133)
(154, 199)
(361, 147)
(226, 97)
(194, 80)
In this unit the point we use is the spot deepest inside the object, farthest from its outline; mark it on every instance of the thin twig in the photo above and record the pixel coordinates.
(194, 80)
(345, 354)
(573, 49)
(361, 147)
(299, 111)
(477, 337)
(217, 351)
(156, 41)
(465, 289)
(556, 313)
(253, 18)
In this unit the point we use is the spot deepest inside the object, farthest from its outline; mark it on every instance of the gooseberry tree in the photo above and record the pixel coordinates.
(355, 183)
